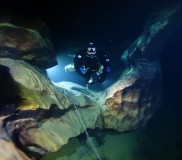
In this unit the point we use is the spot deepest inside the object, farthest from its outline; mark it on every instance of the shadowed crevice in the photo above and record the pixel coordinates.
(9, 91)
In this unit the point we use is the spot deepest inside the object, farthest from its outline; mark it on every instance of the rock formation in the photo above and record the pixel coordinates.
(38, 116)
(28, 44)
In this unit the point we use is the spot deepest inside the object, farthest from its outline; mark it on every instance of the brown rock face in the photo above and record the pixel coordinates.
(132, 106)
(18, 38)
(8, 149)
(26, 44)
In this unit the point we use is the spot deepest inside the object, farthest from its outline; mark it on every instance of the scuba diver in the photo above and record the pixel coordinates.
(92, 64)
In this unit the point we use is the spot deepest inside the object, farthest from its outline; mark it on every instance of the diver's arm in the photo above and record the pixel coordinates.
(104, 69)
(78, 62)
(106, 62)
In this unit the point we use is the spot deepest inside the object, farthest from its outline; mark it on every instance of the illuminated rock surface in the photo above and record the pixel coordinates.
(19, 42)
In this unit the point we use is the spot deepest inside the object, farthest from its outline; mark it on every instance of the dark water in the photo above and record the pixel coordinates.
(165, 127)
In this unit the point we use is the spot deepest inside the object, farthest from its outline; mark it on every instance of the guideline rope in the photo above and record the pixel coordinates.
(84, 127)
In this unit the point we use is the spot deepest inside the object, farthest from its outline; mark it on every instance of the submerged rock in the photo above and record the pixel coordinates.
(26, 44)
(9, 150)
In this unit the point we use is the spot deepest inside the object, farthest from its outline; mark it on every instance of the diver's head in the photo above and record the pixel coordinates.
(91, 50)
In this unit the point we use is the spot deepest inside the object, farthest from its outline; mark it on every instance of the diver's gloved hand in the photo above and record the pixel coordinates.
(108, 69)
(100, 70)
(83, 71)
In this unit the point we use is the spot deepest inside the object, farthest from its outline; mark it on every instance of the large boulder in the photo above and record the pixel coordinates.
(29, 44)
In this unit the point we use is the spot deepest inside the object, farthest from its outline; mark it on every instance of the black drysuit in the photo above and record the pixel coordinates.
(96, 66)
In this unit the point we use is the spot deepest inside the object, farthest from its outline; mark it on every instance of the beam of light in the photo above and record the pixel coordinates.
(54, 73)
(58, 73)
